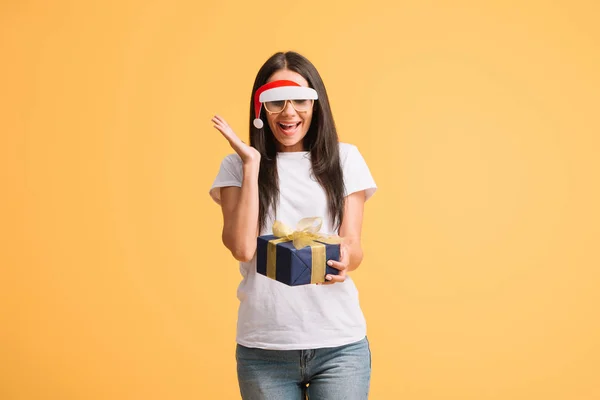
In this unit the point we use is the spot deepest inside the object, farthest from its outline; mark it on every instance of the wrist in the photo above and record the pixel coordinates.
(251, 167)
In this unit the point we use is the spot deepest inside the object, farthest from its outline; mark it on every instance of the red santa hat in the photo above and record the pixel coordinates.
(280, 90)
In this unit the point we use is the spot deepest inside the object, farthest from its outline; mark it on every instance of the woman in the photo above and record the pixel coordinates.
(294, 341)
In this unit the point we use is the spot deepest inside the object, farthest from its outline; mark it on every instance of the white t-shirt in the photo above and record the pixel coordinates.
(276, 316)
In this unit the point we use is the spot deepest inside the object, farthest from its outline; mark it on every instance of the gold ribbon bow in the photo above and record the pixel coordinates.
(306, 234)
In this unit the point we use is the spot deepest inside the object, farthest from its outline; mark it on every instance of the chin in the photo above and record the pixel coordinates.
(291, 142)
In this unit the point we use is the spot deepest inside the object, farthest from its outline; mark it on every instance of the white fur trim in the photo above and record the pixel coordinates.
(288, 93)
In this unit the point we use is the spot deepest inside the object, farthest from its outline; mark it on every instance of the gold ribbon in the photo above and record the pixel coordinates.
(305, 234)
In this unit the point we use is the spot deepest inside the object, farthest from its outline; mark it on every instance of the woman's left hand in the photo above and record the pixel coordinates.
(341, 265)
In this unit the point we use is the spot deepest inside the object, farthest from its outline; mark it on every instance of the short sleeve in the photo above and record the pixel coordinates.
(357, 175)
(230, 174)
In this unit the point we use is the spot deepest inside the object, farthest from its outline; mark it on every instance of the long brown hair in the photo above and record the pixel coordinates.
(321, 140)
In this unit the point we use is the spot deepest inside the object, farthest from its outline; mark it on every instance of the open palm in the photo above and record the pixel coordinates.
(248, 154)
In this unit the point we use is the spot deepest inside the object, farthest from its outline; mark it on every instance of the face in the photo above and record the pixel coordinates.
(289, 126)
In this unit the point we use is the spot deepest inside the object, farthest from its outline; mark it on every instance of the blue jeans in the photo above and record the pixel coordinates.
(321, 374)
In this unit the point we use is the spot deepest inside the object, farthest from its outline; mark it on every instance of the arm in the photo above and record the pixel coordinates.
(351, 250)
(351, 228)
(240, 205)
(240, 215)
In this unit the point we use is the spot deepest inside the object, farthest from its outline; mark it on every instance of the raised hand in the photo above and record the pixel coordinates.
(248, 154)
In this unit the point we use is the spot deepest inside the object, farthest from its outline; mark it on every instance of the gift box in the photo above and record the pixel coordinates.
(297, 257)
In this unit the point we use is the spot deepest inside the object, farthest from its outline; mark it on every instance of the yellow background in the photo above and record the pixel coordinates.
(479, 121)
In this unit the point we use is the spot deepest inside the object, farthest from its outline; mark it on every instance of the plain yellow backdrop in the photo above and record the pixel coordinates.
(479, 121)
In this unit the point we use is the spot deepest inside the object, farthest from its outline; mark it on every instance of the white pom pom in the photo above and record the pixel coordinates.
(258, 123)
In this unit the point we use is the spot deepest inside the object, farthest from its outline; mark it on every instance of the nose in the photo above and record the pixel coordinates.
(288, 109)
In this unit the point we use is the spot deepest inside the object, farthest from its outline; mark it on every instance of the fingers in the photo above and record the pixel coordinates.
(219, 122)
(220, 119)
(341, 277)
(331, 279)
(222, 125)
(337, 265)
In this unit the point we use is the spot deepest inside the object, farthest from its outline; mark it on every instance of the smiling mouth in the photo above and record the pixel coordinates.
(289, 128)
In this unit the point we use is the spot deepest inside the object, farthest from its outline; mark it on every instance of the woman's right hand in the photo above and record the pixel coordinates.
(248, 154)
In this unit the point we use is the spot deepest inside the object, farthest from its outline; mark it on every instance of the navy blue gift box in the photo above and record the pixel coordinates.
(295, 267)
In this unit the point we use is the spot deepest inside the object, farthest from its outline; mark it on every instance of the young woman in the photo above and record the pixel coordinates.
(294, 341)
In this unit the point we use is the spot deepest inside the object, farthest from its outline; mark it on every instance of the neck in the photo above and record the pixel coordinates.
(296, 148)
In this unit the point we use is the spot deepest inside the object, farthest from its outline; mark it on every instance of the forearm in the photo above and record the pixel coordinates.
(240, 231)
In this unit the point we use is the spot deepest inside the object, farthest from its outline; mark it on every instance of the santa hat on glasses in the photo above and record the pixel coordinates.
(280, 90)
